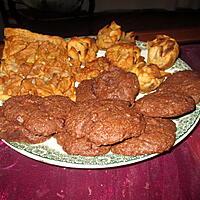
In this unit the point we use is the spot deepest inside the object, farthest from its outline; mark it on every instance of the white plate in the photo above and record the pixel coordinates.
(50, 152)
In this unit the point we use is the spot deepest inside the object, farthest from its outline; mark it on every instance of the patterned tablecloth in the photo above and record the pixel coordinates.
(166, 177)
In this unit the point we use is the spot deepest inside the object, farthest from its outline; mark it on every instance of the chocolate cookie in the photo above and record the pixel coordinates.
(58, 106)
(104, 122)
(81, 146)
(85, 91)
(18, 108)
(116, 84)
(159, 104)
(184, 82)
(33, 119)
(159, 136)
(112, 84)
(12, 131)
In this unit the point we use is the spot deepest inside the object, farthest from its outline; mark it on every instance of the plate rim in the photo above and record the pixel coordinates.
(59, 163)
(97, 166)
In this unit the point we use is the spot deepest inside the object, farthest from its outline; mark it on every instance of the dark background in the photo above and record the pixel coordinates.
(86, 17)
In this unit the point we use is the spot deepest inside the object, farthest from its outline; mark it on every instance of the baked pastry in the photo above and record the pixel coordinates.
(108, 35)
(162, 51)
(91, 69)
(81, 50)
(123, 55)
(105, 115)
(112, 34)
(149, 76)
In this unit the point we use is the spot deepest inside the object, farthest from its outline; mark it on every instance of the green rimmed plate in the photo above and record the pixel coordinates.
(50, 152)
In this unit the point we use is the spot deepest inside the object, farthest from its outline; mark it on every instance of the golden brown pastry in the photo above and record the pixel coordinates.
(149, 76)
(123, 55)
(127, 37)
(81, 50)
(162, 51)
(108, 35)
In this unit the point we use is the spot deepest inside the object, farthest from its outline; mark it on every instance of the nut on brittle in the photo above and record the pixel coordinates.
(92, 69)
(31, 61)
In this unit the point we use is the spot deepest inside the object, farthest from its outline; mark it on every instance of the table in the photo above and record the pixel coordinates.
(22, 178)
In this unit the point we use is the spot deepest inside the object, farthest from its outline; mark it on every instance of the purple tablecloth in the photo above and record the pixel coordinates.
(166, 177)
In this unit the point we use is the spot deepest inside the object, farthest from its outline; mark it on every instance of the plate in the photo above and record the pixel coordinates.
(50, 152)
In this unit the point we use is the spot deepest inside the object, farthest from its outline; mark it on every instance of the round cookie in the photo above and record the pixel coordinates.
(58, 106)
(85, 91)
(80, 146)
(104, 122)
(116, 84)
(10, 131)
(33, 119)
(158, 136)
(42, 123)
(184, 82)
(19, 107)
(160, 104)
